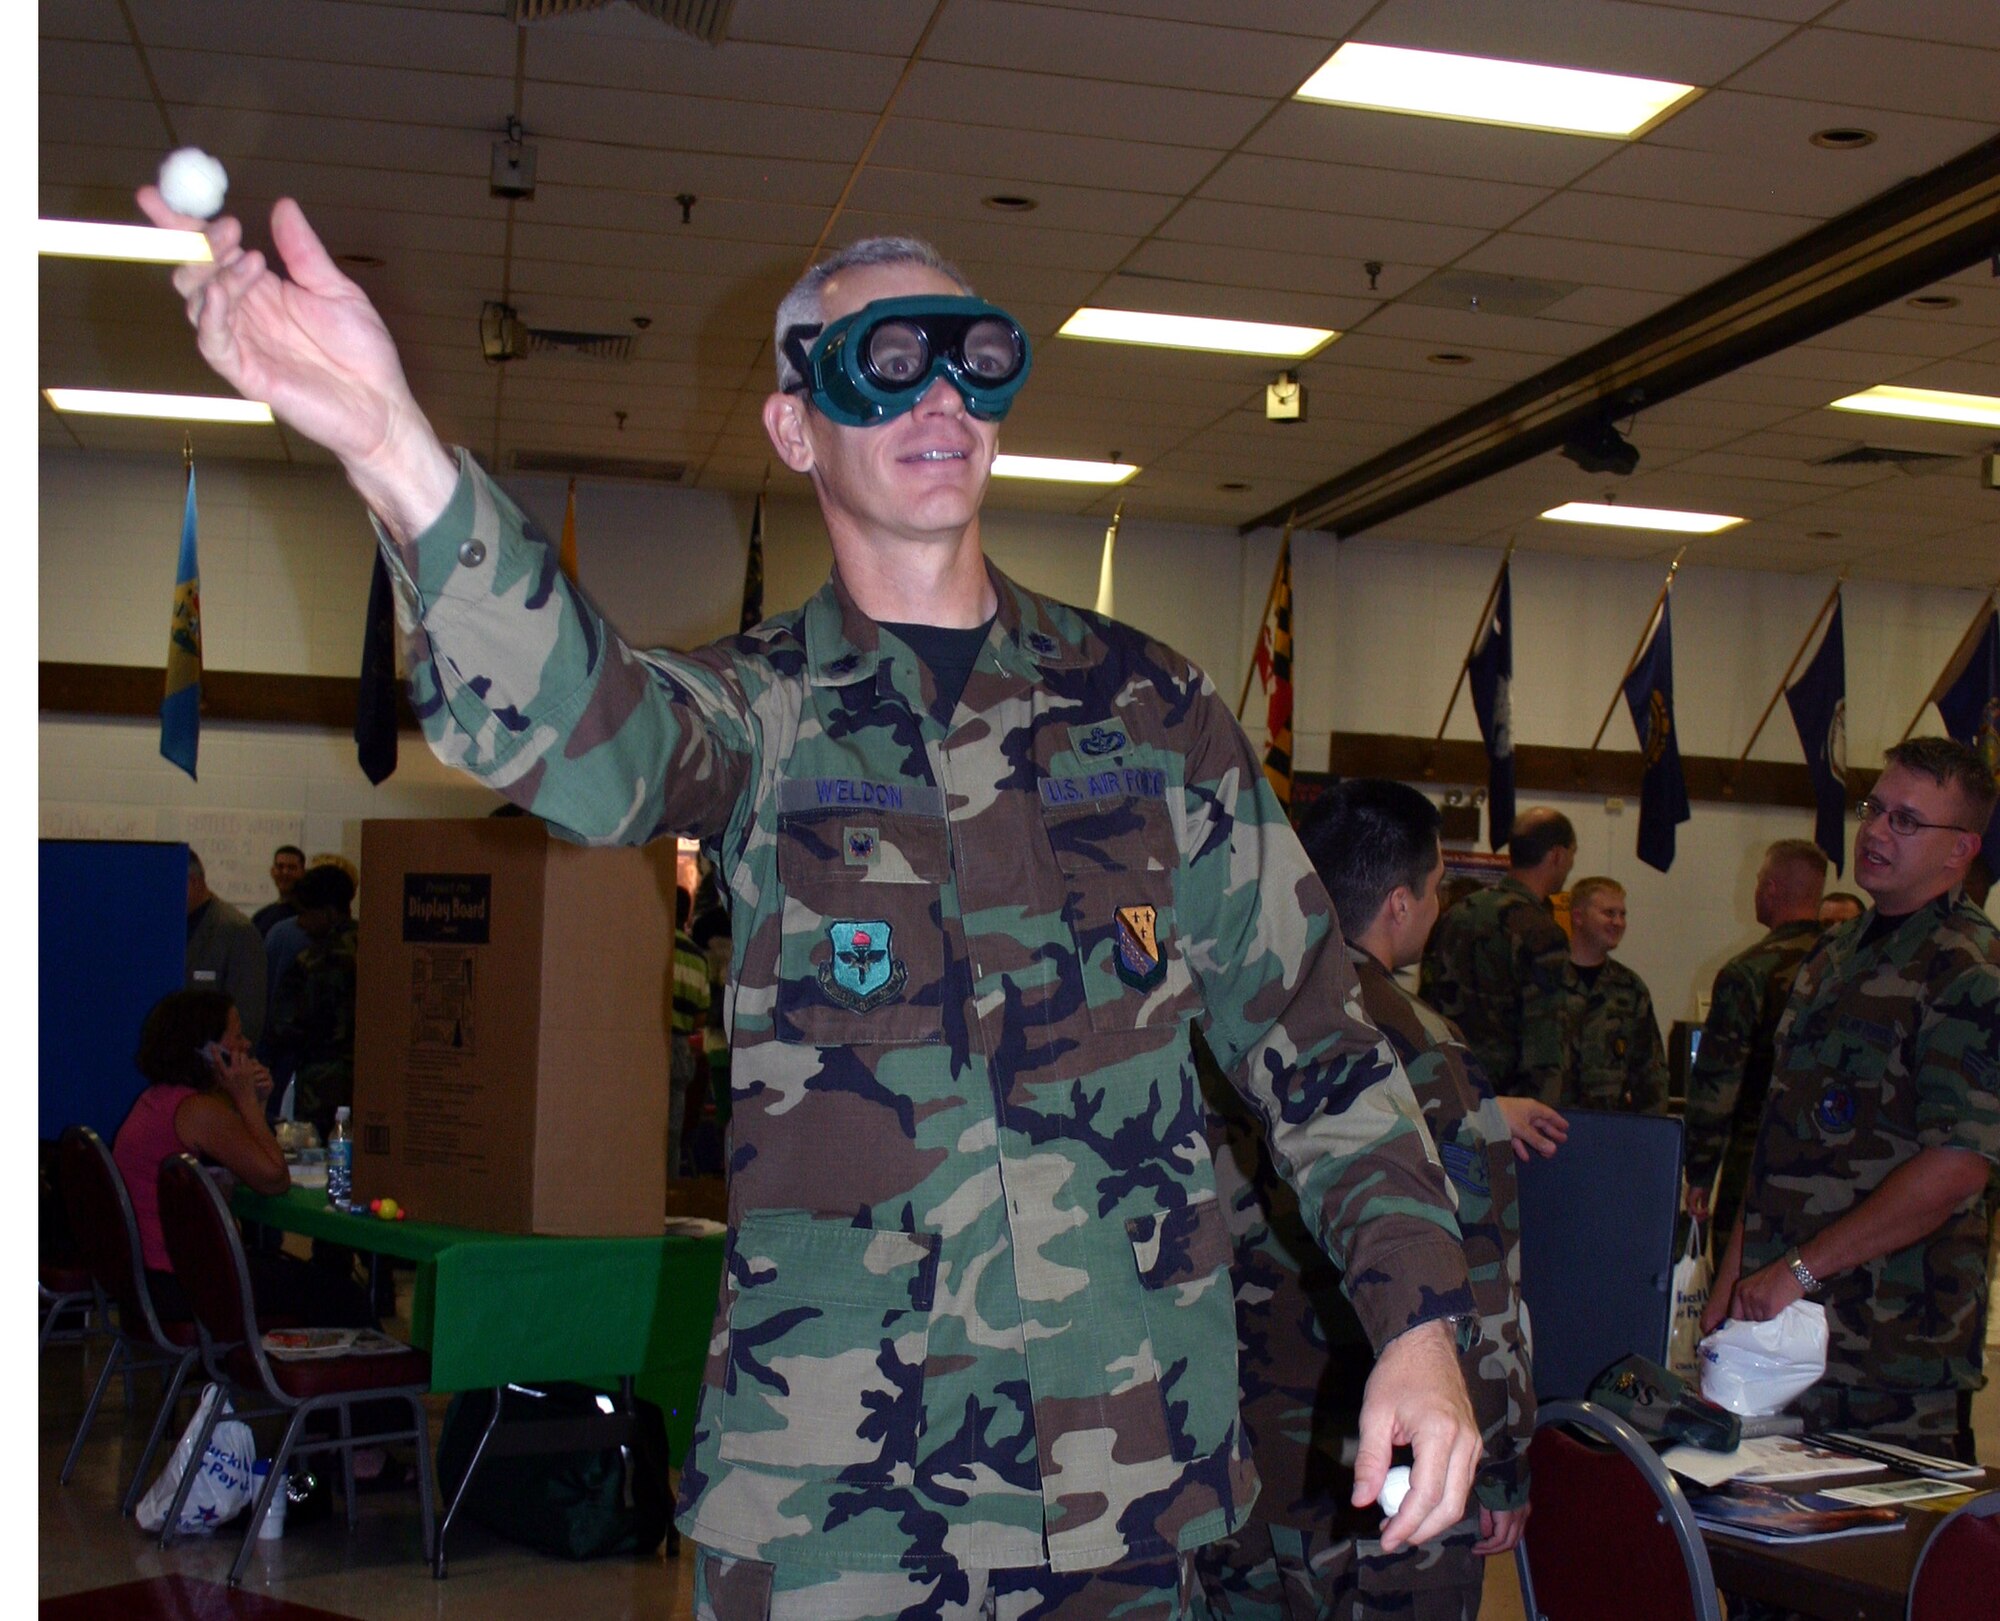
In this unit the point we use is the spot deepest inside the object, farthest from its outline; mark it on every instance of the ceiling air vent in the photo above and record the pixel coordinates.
(503, 335)
(707, 20)
(1487, 293)
(1909, 461)
(565, 465)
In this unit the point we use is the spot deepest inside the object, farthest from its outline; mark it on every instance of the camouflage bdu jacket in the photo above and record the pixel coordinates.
(1732, 1067)
(312, 1019)
(1302, 1356)
(976, 1308)
(1620, 1062)
(1497, 966)
(1886, 1047)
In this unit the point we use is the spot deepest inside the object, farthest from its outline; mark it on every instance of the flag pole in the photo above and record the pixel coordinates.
(1478, 630)
(1104, 604)
(1638, 647)
(1270, 597)
(1957, 653)
(1784, 680)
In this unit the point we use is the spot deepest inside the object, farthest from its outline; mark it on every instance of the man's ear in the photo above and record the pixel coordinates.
(785, 422)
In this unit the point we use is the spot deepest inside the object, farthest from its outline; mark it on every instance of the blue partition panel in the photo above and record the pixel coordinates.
(113, 942)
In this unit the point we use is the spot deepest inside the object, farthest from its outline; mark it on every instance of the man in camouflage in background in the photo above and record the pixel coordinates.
(1867, 1187)
(312, 1006)
(1497, 965)
(1732, 1067)
(1620, 1062)
(989, 858)
(1305, 1555)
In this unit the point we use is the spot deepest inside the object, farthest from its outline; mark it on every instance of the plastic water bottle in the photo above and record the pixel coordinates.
(340, 1162)
(274, 1516)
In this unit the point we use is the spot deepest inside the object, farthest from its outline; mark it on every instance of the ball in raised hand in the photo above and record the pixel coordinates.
(1394, 1489)
(193, 183)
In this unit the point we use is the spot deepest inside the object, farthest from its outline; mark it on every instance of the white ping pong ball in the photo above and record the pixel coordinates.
(193, 183)
(1395, 1488)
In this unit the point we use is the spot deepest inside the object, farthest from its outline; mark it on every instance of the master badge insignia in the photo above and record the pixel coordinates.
(861, 974)
(863, 846)
(1140, 961)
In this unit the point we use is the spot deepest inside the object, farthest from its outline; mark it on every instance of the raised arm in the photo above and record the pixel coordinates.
(310, 345)
(1717, 1080)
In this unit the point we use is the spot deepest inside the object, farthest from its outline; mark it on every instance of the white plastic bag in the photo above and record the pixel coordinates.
(1693, 1276)
(1755, 1368)
(221, 1488)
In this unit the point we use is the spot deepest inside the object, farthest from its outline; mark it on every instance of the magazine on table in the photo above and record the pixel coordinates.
(1766, 1514)
(310, 1344)
(1766, 1458)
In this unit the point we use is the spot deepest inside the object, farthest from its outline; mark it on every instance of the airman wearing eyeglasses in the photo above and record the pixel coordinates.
(1867, 1187)
(988, 857)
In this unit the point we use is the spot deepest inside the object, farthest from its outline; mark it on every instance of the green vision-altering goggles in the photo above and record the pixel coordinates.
(878, 362)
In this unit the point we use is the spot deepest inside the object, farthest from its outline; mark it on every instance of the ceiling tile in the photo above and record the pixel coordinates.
(1859, 71)
(1036, 155)
(1953, 22)
(1000, 33)
(1338, 188)
(1440, 146)
(1651, 223)
(953, 93)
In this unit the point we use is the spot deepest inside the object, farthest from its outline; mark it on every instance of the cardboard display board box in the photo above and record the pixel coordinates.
(511, 1028)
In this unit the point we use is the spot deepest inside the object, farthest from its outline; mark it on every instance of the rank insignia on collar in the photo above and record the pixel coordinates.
(1139, 958)
(1042, 644)
(861, 974)
(861, 846)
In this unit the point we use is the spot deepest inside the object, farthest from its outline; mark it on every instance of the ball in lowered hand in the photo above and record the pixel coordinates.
(193, 183)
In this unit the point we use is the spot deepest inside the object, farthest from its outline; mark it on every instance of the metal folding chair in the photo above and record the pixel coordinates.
(100, 1214)
(1605, 1507)
(209, 1261)
(1958, 1573)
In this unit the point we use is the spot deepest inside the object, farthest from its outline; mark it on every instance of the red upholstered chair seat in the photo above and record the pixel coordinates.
(1960, 1570)
(327, 1376)
(64, 1280)
(181, 1334)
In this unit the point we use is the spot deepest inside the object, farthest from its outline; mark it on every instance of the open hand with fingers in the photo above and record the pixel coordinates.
(311, 346)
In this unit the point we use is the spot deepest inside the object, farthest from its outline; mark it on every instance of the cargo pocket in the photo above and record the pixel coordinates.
(1183, 1262)
(1118, 859)
(829, 1326)
(862, 951)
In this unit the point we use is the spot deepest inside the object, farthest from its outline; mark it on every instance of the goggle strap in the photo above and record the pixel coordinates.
(795, 344)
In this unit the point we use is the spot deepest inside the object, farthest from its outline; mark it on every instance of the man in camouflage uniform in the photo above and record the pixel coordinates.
(687, 1022)
(973, 1348)
(312, 1009)
(1497, 966)
(1867, 1188)
(1732, 1067)
(1305, 1555)
(1620, 1062)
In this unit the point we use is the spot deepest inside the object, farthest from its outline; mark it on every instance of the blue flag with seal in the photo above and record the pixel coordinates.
(1818, 702)
(1491, 670)
(1649, 693)
(180, 709)
(1970, 706)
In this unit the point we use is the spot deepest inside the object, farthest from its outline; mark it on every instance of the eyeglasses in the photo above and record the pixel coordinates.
(1901, 822)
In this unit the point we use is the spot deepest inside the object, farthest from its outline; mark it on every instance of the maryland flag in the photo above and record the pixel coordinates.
(180, 709)
(566, 548)
(1968, 698)
(1274, 672)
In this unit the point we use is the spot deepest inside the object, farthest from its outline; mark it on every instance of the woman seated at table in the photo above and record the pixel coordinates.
(206, 1097)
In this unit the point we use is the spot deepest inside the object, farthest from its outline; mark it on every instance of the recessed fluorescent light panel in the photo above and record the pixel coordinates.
(1197, 332)
(1617, 517)
(1925, 405)
(1481, 90)
(88, 239)
(172, 407)
(1062, 472)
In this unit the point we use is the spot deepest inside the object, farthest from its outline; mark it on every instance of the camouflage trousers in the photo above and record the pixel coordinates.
(1935, 1421)
(1277, 1573)
(727, 1588)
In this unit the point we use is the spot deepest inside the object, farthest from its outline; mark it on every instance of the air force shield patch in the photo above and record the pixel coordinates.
(1141, 963)
(861, 974)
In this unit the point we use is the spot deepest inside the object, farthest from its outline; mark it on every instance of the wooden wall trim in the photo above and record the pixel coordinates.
(135, 690)
(328, 701)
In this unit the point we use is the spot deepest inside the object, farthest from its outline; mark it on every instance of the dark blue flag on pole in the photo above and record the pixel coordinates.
(1649, 693)
(1491, 668)
(180, 709)
(1970, 706)
(375, 701)
(1818, 701)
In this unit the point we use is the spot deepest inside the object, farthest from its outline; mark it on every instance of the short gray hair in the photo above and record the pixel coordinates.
(802, 306)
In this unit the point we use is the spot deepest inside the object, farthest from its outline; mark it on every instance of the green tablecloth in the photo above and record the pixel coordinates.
(495, 1308)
